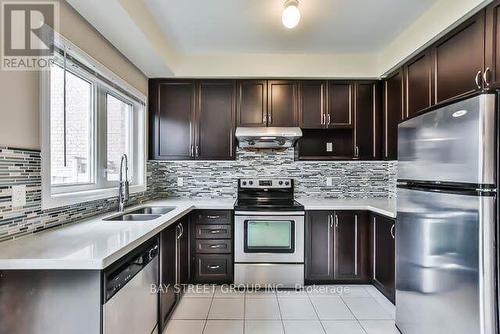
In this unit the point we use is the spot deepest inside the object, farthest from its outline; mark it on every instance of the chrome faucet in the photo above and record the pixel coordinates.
(123, 187)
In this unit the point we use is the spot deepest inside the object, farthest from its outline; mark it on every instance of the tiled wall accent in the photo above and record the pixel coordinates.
(358, 179)
(23, 167)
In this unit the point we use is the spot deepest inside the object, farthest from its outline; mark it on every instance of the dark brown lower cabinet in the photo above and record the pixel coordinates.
(383, 252)
(212, 246)
(337, 247)
(174, 266)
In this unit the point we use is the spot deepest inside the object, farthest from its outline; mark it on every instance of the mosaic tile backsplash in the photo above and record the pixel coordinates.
(353, 179)
(212, 179)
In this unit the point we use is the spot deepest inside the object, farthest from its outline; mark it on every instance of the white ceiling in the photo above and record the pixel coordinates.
(254, 26)
(245, 38)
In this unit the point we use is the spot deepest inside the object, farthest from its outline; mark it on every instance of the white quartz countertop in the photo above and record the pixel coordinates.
(94, 244)
(383, 206)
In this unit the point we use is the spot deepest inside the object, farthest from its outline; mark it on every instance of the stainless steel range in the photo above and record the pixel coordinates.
(268, 234)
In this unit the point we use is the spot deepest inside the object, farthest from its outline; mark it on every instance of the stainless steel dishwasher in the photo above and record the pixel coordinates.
(130, 305)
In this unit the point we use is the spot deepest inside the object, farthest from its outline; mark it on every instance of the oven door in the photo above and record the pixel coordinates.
(269, 237)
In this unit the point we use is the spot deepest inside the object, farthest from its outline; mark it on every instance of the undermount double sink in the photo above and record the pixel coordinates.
(142, 214)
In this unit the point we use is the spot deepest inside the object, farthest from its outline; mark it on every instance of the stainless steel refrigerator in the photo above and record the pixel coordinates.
(446, 220)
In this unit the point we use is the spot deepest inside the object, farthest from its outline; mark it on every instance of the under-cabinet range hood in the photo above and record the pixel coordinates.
(267, 137)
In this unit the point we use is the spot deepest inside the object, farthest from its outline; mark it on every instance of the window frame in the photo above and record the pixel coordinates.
(54, 196)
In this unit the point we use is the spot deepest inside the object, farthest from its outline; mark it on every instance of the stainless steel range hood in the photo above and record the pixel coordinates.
(267, 137)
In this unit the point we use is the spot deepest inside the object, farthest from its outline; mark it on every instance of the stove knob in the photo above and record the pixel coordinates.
(280, 183)
(250, 182)
(287, 183)
(244, 183)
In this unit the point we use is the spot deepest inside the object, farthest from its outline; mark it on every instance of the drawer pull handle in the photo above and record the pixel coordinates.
(215, 231)
(216, 246)
(213, 217)
(213, 267)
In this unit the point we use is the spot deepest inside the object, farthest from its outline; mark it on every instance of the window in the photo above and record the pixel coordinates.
(90, 118)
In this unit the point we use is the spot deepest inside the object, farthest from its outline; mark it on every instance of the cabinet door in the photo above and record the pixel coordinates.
(282, 103)
(319, 246)
(492, 71)
(252, 103)
(183, 252)
(418, 83)
(459, 59)
(393, 113)
(384, 255)
(366, 102)
(340, 104)
(168, 273)
(351, 239)
(312, 104)
(172, 115)
(215, 120)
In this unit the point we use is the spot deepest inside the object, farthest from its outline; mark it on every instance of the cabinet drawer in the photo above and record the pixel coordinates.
(211, 217)
(213, 231)
(213, 268)
(210, 246)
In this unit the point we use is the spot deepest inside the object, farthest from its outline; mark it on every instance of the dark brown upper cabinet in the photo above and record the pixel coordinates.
(215, 113)
(312, 104)
(367, 106)
(459, 59)
(491, 75)
(392, 113)
(252, 103)
(383, 252)
(340, 104)
(172, 119)
(418, 84)
(192, 119)
(282, 109)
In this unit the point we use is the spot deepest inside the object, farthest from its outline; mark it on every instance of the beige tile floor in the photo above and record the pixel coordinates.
(332, 309)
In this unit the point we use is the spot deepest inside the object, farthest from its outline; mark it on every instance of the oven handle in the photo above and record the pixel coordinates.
(269, 213)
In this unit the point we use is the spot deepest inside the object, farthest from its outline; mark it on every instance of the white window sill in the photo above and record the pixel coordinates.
(60, 200)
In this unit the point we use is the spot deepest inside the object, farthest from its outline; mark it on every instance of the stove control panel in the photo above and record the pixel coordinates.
(266, 183)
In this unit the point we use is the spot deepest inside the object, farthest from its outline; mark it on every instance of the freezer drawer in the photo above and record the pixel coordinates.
(445, 269)
(455, 143)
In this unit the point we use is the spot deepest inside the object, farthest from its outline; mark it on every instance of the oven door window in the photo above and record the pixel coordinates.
(269, 236)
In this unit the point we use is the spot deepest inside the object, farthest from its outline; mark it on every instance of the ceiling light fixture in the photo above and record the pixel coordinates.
(291, 14)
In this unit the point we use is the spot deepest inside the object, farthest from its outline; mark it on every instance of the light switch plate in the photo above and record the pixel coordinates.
(329, 181)
(180, 182)
(329, 147)
(18, 196)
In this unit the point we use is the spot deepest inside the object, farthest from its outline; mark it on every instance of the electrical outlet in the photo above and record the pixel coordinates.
(329, 181)
(329, 147)
(18, 196)
(180, 182)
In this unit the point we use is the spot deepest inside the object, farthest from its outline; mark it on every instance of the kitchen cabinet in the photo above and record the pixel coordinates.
(215, 113)
(491, 74)
(212, 246)
(252, 103)
(192, 119)
(312, 104)
(418, 84)
(459, 59)
(367, 106)
(383, 252)
(340, 104)
(392, 113)
(282, 108)
(337, 246)
(174, 266)
(171, 119)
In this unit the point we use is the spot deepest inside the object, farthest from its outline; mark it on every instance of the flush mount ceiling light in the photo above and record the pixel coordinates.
(291, 14)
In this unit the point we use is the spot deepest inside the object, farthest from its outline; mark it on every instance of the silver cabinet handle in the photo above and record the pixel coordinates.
(330, 220)
(322, 118)
(392, 231)
(356, 245)
(485, 77)
(329, 119)
(476, 79)
(182, 230)
(269, 118)
(330, 225)
(213, 217)
(356, 151)
(336, 221)
(197, 151)
(215, 231)
(178, 228)
(216, 246)
(213, 267)
(192, 151)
